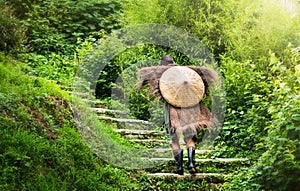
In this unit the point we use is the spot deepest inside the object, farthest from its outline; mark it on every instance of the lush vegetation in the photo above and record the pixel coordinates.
(255, 45)
(40, 147)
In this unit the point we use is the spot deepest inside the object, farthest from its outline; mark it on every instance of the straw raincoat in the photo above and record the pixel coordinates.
(178, 120)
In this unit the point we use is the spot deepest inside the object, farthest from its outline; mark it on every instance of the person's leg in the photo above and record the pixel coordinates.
(175, 142)
(190, 142)
(191, 146)
(178, 154)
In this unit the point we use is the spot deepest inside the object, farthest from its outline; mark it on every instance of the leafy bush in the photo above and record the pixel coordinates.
(56, 67)
(283, 152)
(248, 95)
(12, 35)
(55, 26)
(280, 145)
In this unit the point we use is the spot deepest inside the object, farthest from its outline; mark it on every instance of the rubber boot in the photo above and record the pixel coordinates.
(191, 162)
(178, 155)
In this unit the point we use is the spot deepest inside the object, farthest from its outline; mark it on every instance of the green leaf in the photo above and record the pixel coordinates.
(296, 117)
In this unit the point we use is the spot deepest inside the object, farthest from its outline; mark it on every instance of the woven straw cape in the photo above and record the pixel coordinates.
(181, 86)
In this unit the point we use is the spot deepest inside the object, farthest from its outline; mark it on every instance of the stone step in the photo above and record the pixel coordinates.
(96, 103)
(120, 120)
(69, 88)
(164, 150)
(203, 165)
(208, 177)
(108, 111)
(139, 132)
(167, 140)
(80, 94)
(149, 141)
(199, 175)
(219, 160)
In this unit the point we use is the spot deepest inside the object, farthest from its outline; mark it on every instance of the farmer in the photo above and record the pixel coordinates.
(182, 90)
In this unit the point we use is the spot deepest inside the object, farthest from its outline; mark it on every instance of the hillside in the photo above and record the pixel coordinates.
(72, 119)
(40, 146)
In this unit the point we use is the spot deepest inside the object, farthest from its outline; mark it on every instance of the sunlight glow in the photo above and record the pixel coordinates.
(290, 6)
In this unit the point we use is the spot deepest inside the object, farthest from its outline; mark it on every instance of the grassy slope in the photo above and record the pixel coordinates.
(40, 148)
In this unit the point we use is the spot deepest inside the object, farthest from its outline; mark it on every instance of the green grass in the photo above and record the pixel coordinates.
(40, 146)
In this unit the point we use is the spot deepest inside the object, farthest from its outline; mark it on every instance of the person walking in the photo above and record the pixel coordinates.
(182, 89)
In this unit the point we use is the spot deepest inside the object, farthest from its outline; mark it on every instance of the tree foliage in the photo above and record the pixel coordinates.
(55, 26)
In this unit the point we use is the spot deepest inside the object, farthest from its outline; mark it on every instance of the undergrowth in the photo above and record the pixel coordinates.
(40, 147)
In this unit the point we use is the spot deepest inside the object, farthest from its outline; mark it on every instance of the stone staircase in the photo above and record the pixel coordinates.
(211, 169)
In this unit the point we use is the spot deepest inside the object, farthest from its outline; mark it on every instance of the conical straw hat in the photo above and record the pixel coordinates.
(181, 86)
